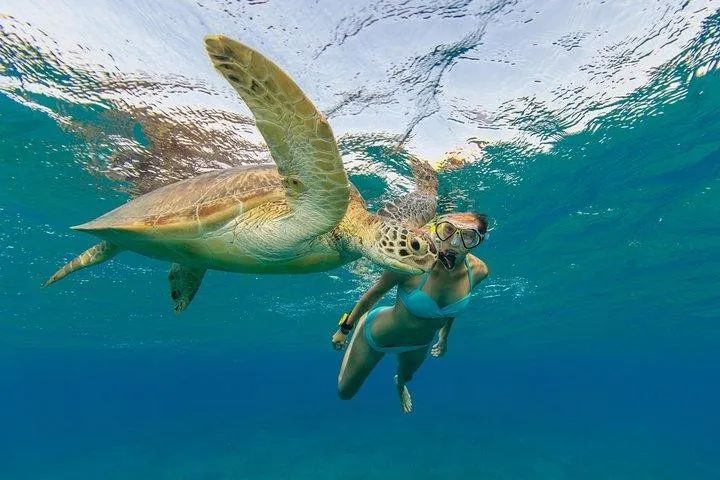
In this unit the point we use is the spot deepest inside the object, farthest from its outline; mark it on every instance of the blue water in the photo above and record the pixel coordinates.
(590, 353)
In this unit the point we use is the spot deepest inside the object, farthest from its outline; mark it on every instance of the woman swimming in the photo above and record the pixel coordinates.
(425, 304)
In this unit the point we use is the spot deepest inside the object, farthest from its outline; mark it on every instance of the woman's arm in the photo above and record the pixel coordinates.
(480, 271)
(439, 349)
(445, 330)
(387, 281)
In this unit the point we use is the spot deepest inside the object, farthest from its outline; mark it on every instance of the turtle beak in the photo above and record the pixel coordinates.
(401, 267)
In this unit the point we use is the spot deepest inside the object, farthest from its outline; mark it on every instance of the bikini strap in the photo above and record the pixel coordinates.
(425, 276)
(470, 272)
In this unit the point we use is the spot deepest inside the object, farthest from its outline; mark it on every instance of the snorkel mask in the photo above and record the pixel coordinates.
(467, 237)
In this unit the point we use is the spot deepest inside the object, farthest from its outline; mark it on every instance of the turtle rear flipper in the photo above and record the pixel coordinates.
(101, 252)
(184, 284)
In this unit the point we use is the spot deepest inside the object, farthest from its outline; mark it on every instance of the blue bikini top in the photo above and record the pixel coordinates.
(422, 305)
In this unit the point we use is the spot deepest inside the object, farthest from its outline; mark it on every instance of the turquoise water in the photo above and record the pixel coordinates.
(591, 352)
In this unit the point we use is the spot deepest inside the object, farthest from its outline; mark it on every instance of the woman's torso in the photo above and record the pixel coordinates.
(423, 305)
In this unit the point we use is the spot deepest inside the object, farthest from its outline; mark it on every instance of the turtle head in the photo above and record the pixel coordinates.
(400, 248)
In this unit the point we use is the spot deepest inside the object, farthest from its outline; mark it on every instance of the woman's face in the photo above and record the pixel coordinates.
(452, 250)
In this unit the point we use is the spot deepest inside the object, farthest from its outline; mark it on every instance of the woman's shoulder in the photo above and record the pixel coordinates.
(480, 269)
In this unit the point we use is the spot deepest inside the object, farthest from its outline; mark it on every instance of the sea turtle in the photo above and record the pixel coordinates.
(301, 215)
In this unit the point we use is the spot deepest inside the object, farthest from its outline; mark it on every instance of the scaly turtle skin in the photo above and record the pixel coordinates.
(301, 216)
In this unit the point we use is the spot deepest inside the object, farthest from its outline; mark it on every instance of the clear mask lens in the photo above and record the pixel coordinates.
(445, 230)
(468, 237)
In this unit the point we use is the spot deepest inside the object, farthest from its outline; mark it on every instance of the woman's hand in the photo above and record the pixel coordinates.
(339, 340)
(439, 349)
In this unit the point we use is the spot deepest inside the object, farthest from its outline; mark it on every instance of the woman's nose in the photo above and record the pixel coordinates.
(455, 241)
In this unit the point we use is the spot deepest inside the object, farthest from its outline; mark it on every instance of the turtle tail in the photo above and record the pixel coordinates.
(92, 256)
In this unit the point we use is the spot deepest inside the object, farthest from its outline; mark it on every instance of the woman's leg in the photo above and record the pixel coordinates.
(358, 362)
(408, 363)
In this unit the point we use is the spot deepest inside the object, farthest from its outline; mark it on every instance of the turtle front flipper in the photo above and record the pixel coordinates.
(298, 136)
(418, 207)
(184, 284)
(101, 252)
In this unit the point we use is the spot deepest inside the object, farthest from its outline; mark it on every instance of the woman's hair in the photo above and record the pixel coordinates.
(480, 219)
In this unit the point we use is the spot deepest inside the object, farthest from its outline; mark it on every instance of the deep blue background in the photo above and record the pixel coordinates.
(590, 352)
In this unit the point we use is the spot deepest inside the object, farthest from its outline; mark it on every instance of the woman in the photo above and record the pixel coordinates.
(425, 304)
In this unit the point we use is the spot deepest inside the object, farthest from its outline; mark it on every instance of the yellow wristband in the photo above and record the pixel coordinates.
(345, 329)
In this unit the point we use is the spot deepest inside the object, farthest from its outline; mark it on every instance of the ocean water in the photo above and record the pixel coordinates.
(591, 352)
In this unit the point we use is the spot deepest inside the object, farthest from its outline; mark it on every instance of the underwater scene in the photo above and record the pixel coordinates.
(588, 133)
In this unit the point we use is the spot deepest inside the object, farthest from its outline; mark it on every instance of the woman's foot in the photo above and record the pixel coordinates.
(404, 394)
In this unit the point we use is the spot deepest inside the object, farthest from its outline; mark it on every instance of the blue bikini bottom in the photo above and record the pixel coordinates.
(373, 344)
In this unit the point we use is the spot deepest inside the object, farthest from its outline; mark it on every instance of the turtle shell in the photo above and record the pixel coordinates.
(191, 207)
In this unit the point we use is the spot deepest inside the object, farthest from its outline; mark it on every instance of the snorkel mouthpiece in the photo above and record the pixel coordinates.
(447, 258)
